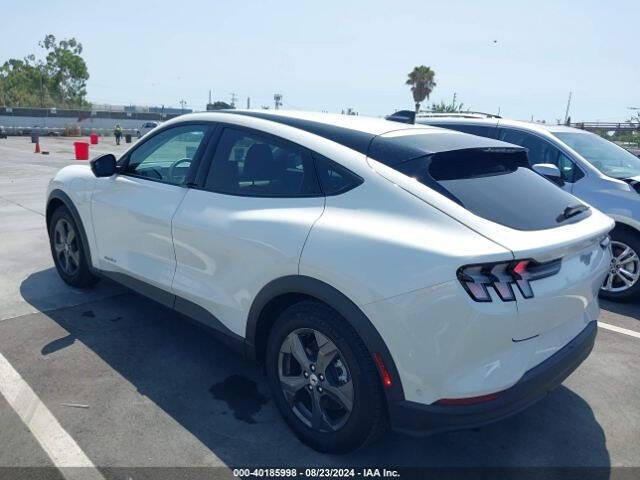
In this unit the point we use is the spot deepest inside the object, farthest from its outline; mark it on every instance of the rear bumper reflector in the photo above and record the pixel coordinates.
(384, 373)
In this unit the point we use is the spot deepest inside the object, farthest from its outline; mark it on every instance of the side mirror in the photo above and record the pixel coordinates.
(549, 171)
(103, 165)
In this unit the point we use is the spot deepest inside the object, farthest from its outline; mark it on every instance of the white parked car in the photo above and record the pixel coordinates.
(383, 273)
(590, 167)
(146, 127)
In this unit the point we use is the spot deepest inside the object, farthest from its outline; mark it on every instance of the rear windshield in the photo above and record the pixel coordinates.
(498, 185)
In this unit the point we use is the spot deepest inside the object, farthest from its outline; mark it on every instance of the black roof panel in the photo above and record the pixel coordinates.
(391, 148)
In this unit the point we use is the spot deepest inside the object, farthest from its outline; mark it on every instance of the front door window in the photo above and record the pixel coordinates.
(167, 156)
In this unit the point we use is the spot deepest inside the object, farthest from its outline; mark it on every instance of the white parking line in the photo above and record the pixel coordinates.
(613, 328)
(56, 442)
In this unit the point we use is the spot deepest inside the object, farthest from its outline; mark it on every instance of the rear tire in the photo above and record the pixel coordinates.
(68, 253)
(625, 267)
(339, 380)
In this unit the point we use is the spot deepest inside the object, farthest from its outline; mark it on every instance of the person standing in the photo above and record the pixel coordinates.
(117, 132)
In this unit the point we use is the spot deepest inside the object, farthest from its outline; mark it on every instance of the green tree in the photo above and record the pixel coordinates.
(58, 80)
(422, 83)
(219, 105)
(452, 107)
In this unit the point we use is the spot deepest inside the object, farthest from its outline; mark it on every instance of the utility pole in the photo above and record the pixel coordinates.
(209, 105)
(277, 100)
(234, 97)
(248, 103)
(182, 104)
(566, 113)
(41, 93)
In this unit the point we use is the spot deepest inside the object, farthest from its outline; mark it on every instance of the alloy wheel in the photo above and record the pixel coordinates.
(315, 380)
(624, 269)
(65, 243)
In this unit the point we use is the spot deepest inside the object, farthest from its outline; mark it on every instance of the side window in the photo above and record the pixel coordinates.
(252, 164)
(334, 178)
(570, 173)
(542, 151)
(480, 130)
(167, 156)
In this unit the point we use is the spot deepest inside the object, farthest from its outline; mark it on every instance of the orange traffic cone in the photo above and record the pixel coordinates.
(37, 147)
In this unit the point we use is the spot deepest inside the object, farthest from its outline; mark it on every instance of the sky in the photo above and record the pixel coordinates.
(521, 58)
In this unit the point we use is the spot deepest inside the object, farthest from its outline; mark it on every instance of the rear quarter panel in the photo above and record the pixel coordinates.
(377, 241)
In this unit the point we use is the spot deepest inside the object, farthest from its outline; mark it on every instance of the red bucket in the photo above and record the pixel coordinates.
(82, 150)
(94, 138)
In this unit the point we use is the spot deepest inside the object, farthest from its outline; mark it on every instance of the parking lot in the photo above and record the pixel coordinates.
(133, 385)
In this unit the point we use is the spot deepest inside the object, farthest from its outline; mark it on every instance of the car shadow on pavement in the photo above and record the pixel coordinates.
(628, 309)
(223, 400)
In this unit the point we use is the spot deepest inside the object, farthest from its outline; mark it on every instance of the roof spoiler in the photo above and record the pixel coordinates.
(403, 116)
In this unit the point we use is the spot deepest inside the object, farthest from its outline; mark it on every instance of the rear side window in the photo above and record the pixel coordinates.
(334, 179)
(480, 130)
(495, 184)
(251, 164)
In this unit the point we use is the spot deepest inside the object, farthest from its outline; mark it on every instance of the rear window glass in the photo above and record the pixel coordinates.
(495, 184)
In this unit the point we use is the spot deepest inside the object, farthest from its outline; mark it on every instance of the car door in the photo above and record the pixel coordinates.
(132, 210)
(541, 150)
(244, 227)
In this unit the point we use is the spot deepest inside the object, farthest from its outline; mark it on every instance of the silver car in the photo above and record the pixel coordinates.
(590, 167)
(145, 128)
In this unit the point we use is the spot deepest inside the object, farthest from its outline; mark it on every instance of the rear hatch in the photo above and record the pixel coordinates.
(488, 186)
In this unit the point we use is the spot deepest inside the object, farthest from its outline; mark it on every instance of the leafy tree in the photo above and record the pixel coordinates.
(452, 107)
(58, 80)
(219, 105)
(66, 70)
(422, 84)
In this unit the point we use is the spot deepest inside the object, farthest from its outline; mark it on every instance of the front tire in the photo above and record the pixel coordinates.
(323, 379)
(623, 278)
(68, 253)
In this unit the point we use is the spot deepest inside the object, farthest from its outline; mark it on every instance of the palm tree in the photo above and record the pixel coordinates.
(422, 83)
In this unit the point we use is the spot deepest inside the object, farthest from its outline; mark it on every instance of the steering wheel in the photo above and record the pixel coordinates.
(172, 169)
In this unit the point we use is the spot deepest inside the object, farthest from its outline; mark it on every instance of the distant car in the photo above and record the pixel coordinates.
(363, 263)
(146, 127)
(590, 167)
(3, 132)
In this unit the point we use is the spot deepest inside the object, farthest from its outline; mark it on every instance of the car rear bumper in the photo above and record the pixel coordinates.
(416, 418)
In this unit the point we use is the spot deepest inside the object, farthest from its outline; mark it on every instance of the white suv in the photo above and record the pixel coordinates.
(383, 273)
(590, 167)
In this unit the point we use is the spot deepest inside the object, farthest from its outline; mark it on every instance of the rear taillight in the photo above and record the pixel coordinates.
(501, 276)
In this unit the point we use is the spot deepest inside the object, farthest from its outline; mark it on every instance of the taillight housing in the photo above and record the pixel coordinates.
(501, 276)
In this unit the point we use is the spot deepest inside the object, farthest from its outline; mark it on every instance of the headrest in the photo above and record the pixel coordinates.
(258, 163)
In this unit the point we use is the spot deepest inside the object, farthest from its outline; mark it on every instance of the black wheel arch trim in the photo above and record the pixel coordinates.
(61, 196)
(304, 285)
